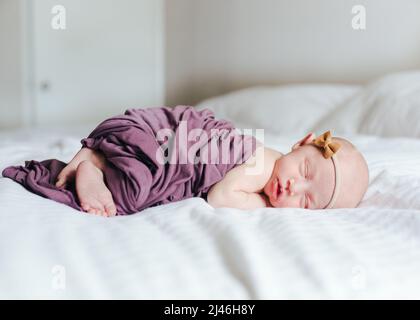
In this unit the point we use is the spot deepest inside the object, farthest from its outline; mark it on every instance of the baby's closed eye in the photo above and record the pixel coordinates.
(307, 170)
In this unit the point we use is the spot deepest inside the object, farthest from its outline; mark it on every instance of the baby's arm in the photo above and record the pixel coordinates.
(239, 189)
(225, 194)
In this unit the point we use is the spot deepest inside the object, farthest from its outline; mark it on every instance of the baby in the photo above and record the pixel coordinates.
(318, 173)
(119, 169)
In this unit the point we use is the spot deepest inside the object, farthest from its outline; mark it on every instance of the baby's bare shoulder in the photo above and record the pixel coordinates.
(256, 171)
(252, 175)
(263, 155)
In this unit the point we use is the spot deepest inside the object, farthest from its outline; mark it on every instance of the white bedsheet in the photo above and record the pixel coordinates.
(189, 250)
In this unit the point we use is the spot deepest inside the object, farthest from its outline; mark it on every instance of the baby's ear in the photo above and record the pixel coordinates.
(307, 139)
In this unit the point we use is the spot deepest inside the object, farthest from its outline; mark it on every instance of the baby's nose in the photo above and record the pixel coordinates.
(294, 187)
(290, 186)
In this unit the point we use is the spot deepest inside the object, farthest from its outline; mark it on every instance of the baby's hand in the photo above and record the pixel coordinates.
(220, 196)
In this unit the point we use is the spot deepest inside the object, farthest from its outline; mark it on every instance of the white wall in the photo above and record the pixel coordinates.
(108, 58)
(215, 46)
(10, 64)
(179, 50)
(221, 45)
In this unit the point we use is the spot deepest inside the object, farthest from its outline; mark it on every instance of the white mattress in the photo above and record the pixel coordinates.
(190, 250)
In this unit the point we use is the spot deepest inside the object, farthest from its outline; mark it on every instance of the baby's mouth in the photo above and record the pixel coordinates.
(278, 189)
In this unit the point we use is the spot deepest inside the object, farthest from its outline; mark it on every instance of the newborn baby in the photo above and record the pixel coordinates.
(119, 169)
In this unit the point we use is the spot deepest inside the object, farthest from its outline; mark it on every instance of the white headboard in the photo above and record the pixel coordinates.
(215, 46)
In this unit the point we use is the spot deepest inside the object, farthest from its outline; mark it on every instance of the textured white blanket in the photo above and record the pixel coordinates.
(189, 250)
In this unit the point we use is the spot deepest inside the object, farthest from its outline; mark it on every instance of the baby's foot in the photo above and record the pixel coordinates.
(93, 194)
(68, 174)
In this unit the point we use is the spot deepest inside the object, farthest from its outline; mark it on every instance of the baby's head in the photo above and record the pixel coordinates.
(319, 173)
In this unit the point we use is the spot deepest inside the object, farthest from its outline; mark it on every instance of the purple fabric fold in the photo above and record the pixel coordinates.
(136, 144)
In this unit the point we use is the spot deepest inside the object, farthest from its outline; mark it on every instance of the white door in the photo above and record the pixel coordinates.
(107, 59)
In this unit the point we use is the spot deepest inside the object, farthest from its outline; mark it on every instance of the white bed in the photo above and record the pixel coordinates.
(190, 250)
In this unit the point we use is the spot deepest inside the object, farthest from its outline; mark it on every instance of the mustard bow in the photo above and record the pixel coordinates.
(325, 142)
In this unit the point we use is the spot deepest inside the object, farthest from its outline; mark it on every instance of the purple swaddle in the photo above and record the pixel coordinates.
(155, 156)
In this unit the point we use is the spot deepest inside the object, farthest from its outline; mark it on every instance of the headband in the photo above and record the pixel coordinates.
(329, 150)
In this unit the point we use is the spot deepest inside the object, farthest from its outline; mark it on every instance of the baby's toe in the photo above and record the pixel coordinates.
(85, 206)
(91, 211)
(96, 212)
(92, 206)
(104, 214)
(110, 209)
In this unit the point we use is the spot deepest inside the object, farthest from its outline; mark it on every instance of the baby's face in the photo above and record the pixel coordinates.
(302, 178)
